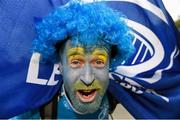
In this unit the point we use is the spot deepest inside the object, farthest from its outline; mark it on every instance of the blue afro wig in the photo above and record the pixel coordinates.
(84, 22)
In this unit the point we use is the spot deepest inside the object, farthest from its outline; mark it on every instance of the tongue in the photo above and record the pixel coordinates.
(87, 96)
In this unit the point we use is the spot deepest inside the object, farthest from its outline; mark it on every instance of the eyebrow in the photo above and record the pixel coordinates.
(75, 51)
(100, 52)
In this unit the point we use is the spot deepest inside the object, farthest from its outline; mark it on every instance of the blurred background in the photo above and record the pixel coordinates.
(173, 7)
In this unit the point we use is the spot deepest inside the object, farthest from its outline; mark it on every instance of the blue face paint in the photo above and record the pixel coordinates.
(85, 75)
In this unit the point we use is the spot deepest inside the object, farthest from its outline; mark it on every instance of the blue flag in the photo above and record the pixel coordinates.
(25, 84)
(150, 80)
(147, 85)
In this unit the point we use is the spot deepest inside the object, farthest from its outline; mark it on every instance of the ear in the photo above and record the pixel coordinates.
(60, 56)
(113, 52)
(60, 46)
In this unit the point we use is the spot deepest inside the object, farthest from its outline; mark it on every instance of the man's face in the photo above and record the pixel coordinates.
(85, 75)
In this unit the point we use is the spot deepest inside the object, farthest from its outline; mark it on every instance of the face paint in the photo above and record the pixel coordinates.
(85, 75)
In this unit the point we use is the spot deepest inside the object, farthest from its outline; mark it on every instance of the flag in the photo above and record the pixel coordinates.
(147, 85)
(25, 84)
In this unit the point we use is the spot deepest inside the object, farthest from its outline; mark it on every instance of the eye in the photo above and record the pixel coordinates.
(98, 63)
(76, 63)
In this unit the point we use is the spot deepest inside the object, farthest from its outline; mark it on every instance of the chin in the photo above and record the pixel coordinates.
(86, 104)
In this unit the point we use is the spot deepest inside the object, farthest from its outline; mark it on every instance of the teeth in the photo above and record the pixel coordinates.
(89, 90)
(86, 92)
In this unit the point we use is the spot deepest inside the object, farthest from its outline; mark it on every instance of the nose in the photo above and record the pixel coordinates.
(87, 76)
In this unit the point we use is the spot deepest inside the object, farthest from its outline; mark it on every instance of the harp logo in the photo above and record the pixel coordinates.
(150, 53)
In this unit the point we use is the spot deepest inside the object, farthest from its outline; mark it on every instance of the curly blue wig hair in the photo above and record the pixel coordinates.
(83, 22)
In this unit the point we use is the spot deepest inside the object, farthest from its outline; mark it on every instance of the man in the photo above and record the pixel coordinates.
(88, 40)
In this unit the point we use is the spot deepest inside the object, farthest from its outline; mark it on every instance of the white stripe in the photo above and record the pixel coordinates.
(134, 41)
(158, 74)
(176, 54)
(151, 91)
(163, 97)
(148, 6)
(171, 59)
(123, 62)
(137, 55)
(144, 42)
(145, 53)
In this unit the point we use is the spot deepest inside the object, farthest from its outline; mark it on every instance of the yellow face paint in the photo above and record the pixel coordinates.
(79, 85)
(77, 57)
(75, 51)
(85, 73)
(101, 54)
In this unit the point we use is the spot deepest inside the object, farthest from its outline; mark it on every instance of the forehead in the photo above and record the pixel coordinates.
(84, 49)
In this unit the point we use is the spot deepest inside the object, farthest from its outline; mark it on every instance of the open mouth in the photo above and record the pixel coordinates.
(86, 95)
